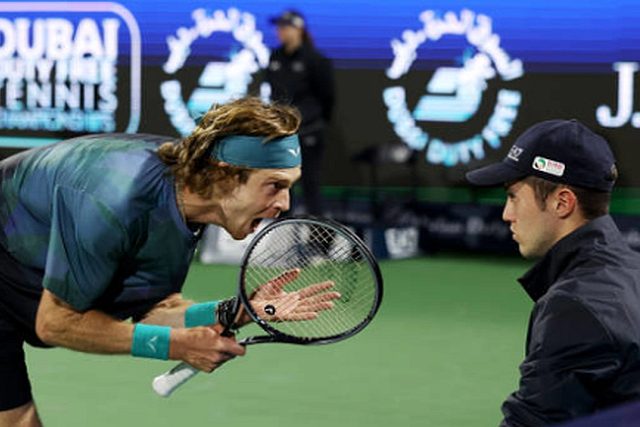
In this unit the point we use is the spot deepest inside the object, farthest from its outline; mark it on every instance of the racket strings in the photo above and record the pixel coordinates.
(335, 314)
(340, 318)
(322, 255)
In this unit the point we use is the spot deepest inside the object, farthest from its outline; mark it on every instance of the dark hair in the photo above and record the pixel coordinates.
(592, 203)
(190, 161)
(306, 37)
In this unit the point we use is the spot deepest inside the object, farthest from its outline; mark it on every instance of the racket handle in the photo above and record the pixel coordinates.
(168, 382)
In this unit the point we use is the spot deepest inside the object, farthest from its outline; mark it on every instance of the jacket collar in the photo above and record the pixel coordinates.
(537, 281)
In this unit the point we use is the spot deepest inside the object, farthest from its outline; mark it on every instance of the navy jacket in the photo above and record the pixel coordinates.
(583, 343)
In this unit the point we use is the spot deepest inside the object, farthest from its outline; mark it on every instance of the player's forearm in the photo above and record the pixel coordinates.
(169, 312)
(59, 324)
(94, 332)
(177, 312)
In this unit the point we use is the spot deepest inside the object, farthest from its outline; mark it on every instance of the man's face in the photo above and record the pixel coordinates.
(264, 195)
(533, 227)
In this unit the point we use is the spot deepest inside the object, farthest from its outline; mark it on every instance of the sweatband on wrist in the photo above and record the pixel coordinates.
(200, 314)
(255, 152)
(151, 341)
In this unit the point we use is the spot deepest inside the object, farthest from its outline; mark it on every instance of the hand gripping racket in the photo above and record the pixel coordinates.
(303, 281)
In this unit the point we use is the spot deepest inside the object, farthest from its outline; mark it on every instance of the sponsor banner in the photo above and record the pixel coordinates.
(68, 68)
(240, 53)
(454, 92)
(454, 82)
(404, 229)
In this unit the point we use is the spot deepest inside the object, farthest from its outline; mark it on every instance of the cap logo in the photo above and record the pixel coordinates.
(514, 153)
(297, 21)
(548, 166)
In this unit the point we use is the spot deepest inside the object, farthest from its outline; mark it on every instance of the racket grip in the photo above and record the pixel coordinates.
(168, 382)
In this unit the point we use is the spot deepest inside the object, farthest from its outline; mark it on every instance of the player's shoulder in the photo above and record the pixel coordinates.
(111, 154)
(103, 150)
(122, 171)
(121, 138)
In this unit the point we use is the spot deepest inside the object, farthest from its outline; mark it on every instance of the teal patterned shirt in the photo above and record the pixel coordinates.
(96, 217)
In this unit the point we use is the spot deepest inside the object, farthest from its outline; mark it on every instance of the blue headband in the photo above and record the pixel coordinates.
(254, 152)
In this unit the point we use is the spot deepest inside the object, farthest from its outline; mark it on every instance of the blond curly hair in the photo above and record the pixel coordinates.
(190, 161)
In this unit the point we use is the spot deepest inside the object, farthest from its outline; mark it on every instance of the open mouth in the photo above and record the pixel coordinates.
(255, 223)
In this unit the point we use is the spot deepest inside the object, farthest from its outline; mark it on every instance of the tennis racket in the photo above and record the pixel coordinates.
(303, 281)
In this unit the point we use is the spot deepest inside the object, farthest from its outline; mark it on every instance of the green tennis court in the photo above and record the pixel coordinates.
(442, 352)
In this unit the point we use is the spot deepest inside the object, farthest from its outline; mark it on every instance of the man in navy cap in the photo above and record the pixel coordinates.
(583, 343)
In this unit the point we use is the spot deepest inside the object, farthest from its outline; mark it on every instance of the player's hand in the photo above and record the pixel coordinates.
(204, 348)
(272, 303)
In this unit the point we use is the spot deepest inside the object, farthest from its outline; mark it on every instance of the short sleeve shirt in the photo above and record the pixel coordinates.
(97, 218)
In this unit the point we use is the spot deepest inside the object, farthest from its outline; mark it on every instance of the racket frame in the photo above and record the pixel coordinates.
(167, 383)
(280, 337)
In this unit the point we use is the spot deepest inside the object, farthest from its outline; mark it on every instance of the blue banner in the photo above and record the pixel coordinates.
(454, 81)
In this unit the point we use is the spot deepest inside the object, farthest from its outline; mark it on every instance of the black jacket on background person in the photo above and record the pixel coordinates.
(583, 343)
(304, 79)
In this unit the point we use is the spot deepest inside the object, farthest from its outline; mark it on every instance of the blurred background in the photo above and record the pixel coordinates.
(424, 91)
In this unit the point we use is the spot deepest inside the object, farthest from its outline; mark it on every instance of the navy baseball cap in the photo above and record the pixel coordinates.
(563, 151)
(289, 17)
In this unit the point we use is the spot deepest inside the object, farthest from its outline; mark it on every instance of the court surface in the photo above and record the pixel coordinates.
(443, 352)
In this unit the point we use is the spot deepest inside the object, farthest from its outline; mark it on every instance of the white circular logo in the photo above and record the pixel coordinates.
(453, 95)
(219, 81)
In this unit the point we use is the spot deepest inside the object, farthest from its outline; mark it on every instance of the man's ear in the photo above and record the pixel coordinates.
(565, 202)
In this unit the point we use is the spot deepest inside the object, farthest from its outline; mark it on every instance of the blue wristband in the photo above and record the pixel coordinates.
(201, 314)
(151, 341)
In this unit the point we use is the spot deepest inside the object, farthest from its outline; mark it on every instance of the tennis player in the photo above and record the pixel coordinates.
(583, 344)
(100, 229)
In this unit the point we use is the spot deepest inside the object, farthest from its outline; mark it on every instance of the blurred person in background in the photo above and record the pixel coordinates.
(101, 229)
(300, 75)
(583, 343)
